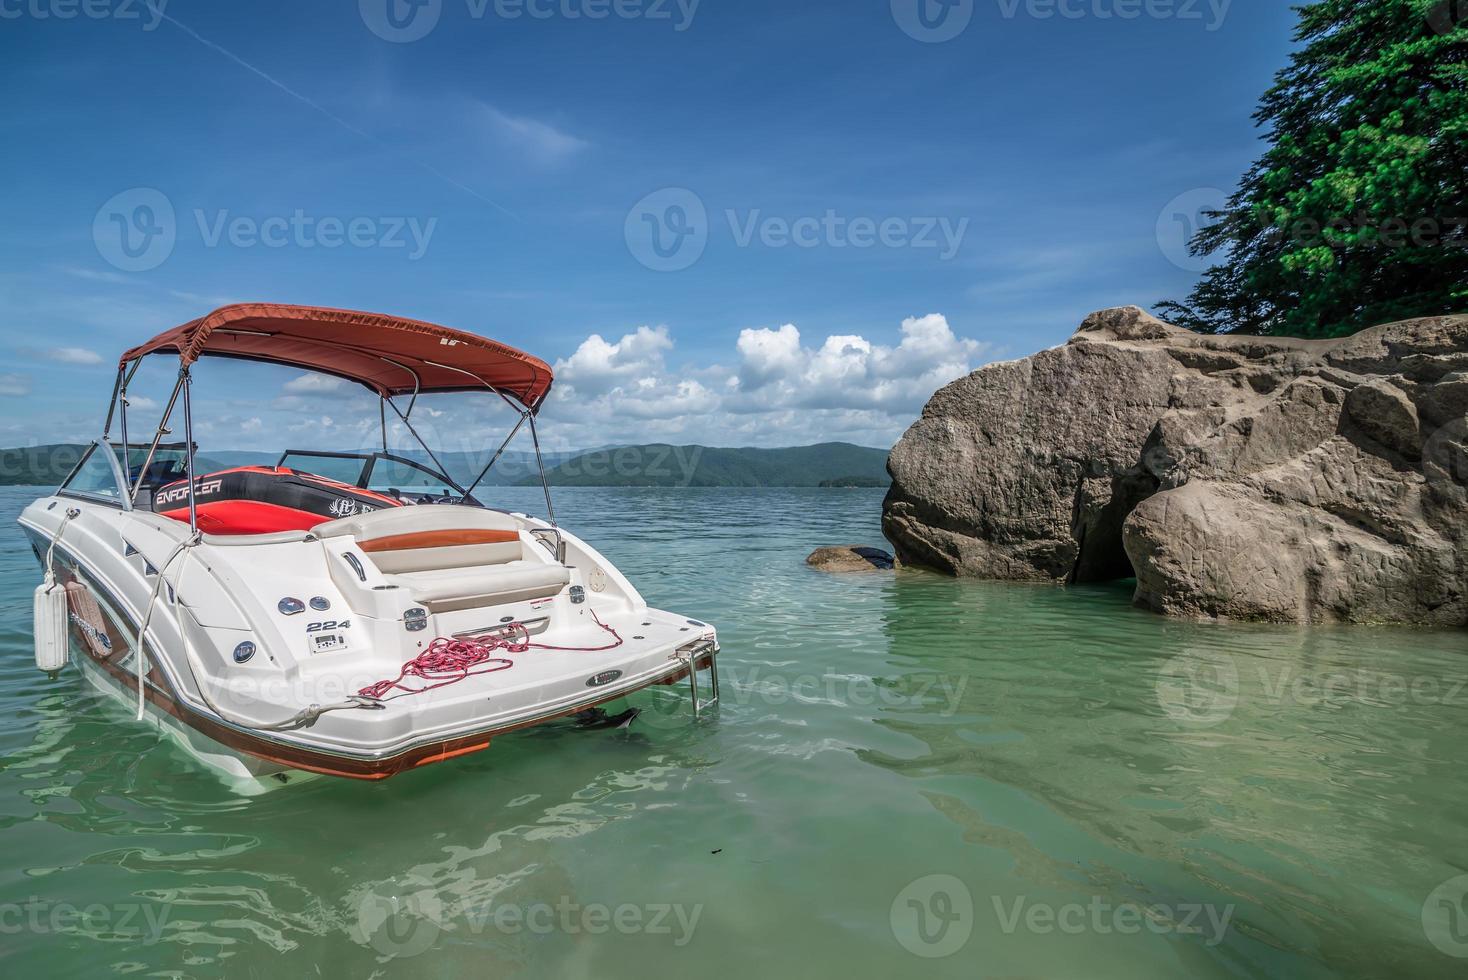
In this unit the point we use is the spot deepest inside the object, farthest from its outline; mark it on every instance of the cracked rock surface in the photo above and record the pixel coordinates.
(1236, 477)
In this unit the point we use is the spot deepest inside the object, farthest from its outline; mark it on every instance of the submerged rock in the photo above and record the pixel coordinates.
(1244, 477)
(850, 558)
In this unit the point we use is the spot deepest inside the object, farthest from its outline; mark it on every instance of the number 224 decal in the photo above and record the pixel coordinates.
(345, 624)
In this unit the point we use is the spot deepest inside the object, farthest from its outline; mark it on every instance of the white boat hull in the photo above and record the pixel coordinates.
(220, 598)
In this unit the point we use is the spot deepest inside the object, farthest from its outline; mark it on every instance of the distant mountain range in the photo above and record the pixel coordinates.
(835, 464)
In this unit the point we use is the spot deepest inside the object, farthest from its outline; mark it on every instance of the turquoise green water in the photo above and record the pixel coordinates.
(909, 776)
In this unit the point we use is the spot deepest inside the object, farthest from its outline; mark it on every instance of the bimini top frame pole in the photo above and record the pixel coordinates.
(187, 382)
(496, 458)
(544, 485)
(526, 413)
(158, 437)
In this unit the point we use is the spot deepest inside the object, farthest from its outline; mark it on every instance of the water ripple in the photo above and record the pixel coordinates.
(1051, 748)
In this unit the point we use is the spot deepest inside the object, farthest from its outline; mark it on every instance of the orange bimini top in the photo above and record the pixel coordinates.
(388, 354)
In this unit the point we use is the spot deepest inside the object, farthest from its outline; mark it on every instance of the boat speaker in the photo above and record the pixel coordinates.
(52, 643)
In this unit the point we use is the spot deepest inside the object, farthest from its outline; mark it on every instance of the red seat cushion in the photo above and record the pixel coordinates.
(266, 499)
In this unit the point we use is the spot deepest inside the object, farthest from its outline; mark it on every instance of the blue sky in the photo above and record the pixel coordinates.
(736, 222)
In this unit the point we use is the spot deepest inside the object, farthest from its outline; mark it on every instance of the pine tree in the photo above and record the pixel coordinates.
(1357, 214)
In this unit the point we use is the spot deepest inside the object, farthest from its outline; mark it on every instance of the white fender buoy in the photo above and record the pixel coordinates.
(52, 646)
(49, 610)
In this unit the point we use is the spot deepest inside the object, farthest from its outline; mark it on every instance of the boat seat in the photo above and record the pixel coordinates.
(446, 589)
(452, 557)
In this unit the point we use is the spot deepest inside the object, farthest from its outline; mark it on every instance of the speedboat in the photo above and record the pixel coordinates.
(348, 614)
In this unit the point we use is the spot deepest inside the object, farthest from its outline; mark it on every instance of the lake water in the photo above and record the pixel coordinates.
(908, 776)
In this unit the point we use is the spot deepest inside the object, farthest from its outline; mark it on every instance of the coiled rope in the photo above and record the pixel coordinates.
(451, 660)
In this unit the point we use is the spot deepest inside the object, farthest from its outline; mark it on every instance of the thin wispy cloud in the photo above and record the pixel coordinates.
(101, 275)
(539, 141)
(318, 107)
(15, 385)
(72, 355)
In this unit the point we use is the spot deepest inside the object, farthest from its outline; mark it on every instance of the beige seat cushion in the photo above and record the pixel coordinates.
(449, 557)
(465, 588)
(431, 537)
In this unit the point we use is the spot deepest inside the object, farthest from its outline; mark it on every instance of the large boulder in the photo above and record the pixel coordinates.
(1239, 477)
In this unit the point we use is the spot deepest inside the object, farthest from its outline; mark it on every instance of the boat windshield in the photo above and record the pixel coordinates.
(170, 463)
(95, 477)
(382, 472)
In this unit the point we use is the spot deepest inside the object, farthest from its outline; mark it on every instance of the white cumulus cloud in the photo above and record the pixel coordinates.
(598, 367)
(849, 372)
(777, 390)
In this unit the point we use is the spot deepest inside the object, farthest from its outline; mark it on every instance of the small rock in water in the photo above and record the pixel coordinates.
(851, 558)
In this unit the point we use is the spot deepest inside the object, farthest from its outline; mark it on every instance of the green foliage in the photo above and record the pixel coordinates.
(1357, 214)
